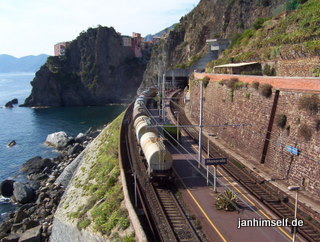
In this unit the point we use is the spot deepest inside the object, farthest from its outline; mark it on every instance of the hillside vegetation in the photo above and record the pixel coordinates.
(186, 42)
(290, 35)
(96, 70)
(94, 201)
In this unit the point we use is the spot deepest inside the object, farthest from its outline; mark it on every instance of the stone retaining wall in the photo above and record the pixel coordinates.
(310, 84)
(247, 106)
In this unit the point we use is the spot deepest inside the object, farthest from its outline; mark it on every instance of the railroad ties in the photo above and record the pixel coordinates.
(169, 222)
(310, 230)
(176, 218)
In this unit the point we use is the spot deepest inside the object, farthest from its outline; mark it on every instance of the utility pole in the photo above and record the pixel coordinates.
(163, 93)
(200, 124)
(159, 93)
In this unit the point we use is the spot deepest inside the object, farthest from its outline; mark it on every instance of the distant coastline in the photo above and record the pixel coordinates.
(25, 64)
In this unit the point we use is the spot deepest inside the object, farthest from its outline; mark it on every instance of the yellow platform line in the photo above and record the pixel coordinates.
(251, 202)
(201, 209)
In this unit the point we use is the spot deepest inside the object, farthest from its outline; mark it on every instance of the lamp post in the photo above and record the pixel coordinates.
(200, 124)
(177, 114)
(295, 188)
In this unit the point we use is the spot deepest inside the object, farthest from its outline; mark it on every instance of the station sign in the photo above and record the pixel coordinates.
(215, 161)
(292, 150)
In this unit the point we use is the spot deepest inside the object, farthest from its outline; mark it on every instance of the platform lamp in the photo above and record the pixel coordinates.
(296, 189)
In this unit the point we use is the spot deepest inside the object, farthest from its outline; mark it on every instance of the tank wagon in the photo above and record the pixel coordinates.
(158, 158)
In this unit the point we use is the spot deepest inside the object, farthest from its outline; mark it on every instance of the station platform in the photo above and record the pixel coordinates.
(199, 199)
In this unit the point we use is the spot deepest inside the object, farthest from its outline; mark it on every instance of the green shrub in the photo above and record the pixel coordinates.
(268, 70)
(265, 90)
(281, 121)
(302, 1)
(205, 81)
(247, 95)
(292, 5)
(259, 23)
(316, 71)
(255, 85)
(230, 83)
(309, 103)
(227, 201)
(264, 3)
(84, 223)
(305, 132)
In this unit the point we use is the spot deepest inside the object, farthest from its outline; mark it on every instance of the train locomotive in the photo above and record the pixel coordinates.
(158, 158)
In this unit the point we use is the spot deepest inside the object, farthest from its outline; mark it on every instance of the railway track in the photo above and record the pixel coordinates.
(176, 217)
(166, 219)
(310, 231)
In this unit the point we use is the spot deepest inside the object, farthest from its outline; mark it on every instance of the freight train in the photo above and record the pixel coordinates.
(158, 158)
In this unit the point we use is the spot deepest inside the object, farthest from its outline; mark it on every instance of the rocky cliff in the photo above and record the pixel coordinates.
(186, 43)
(96, 70)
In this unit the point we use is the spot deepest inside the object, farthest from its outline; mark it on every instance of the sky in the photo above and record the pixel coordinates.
(32, 27)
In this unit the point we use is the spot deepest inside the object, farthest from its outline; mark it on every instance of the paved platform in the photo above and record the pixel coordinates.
(266, 173)
(219, 225)
(199, 198)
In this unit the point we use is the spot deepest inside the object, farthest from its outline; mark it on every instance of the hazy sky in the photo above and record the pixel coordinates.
(32, 27)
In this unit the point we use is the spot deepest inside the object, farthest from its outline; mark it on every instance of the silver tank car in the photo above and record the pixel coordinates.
(157, 156)
(138, 111)
(142, 125)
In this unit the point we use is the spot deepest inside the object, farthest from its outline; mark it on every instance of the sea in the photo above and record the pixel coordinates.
(29, 127)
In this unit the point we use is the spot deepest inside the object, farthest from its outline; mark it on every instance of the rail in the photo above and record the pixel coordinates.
(271, 199)
(165, 218)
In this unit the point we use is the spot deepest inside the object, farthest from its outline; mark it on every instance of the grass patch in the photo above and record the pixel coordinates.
(103, 187)
(289, 36)
(84, 223)
(189, 63)
(281, 121)
(265, 90)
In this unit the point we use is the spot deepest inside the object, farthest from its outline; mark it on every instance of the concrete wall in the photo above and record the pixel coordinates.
(246, 106)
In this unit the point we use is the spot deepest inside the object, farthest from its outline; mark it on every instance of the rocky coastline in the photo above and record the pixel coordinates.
(38, 197)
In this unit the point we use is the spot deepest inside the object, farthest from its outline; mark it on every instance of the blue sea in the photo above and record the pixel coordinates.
(30, 127)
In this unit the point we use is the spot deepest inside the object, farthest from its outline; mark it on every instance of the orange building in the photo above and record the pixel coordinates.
(60, 48)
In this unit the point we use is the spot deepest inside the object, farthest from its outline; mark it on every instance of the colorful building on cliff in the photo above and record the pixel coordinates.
(134, 42)
(60, 48)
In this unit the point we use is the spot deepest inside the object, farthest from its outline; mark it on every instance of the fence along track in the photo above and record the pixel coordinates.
(309, 231)
(169, 220)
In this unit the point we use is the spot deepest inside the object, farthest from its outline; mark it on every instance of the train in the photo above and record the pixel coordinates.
(157, 157)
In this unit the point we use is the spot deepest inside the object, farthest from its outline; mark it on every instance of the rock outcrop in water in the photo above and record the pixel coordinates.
(39, 197)
(95, 70)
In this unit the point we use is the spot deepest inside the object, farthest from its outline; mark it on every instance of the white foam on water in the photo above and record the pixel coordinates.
(4, 199)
